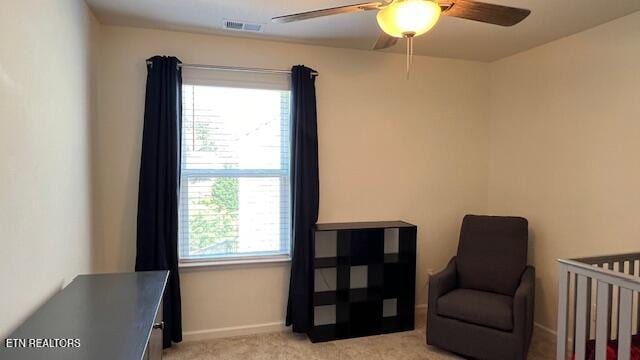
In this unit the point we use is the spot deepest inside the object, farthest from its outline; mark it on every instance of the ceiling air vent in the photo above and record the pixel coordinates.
(242, 26)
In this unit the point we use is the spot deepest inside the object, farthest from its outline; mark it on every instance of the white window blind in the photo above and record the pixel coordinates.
(235, 190)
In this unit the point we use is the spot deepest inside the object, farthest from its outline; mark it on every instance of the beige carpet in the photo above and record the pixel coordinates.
(408, 345)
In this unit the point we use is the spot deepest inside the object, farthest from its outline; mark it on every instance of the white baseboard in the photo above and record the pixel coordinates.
(545, 332)
(251, 329)
(233, 331)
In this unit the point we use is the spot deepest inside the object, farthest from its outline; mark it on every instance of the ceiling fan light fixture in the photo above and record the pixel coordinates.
(408, 18)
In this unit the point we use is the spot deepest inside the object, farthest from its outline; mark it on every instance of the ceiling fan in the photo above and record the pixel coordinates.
(411, 18)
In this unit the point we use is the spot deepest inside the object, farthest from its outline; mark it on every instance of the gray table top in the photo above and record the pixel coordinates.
(110, 314)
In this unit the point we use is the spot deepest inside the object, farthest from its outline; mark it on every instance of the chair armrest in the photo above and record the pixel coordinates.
(442, 282)
(524, 302)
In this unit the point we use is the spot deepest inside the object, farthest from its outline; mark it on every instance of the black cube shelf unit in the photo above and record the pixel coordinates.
(364, 279)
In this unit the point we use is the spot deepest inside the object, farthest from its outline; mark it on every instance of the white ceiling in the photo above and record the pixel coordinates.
(452, 37)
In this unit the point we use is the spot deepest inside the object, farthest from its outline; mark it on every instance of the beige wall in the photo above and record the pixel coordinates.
(45, 108)
(550, 134)
(565, 147)
(389, 149)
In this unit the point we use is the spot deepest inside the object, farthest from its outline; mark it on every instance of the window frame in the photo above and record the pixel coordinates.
(283, 173)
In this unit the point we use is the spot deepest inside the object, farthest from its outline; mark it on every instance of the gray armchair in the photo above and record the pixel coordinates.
(482, 304)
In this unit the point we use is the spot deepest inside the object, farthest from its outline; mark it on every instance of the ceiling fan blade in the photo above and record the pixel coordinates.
(483, 12)
(385, 41)
(326, 12)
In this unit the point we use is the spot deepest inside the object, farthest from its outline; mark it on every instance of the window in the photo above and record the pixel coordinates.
(235, 199)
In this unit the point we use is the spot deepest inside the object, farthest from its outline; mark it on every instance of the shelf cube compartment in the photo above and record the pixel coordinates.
(324, 315)
(326, 244)
(391, 241)
(325, 279)
(397, 280)
(362, 246)
(365, 318)
(389, 307)
(358, 277)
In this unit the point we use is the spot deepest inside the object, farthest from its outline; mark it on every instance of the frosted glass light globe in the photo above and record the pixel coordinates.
(408, 17)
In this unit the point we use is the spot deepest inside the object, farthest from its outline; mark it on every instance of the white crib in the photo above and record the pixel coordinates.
(598, 302)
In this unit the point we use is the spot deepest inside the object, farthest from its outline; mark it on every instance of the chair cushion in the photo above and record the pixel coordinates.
(492, 253)
(478, 307)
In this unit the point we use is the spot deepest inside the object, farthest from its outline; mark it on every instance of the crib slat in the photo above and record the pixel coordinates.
(610, 309)
(581, 317)
(631, 271)
(573, 286)
(634, 300)
(602, 320)
(624, 324)
(563, 301)
(612, 330)
(635, 316)
(638, 302)
(589, 306)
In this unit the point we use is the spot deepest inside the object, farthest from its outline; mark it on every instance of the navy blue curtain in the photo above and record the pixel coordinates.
(304, 196)
(157, 238)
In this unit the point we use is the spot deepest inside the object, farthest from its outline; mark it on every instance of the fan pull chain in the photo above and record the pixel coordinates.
(411, 50)
(409, 54)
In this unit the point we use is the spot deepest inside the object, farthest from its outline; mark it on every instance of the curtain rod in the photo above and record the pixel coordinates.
(236, 68)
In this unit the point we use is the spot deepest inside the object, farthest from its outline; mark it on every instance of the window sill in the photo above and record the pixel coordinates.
(185, 265)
